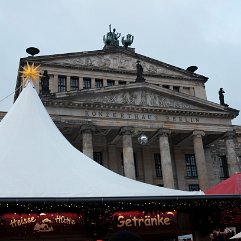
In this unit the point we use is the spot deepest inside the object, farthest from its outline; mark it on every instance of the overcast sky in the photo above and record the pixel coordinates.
(205, 33)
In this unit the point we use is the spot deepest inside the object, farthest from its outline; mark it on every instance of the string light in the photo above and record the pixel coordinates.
(97, 216)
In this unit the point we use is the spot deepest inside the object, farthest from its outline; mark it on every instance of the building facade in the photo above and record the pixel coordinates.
(108, 102)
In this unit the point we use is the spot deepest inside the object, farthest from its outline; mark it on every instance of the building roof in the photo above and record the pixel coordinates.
(37, 161)
(118, 60)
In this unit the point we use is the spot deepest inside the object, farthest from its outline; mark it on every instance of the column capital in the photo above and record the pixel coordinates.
(127, 130)
(163, 132)
(86, 128)
(229, 135)
(198, 133)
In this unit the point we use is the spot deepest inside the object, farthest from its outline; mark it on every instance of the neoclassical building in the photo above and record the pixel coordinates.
(108, 102)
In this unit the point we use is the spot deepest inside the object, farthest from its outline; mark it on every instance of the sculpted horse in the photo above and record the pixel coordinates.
(128, 41)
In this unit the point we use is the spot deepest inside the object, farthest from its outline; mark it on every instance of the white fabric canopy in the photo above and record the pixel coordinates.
(37, 161)
(238, 235)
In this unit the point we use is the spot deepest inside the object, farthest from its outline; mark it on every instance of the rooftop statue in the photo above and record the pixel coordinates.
(128, 41)
(44, 83)
(221, 97)
(139, 72)
(111, 37)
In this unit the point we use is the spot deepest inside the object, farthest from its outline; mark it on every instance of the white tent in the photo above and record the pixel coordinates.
(238, 235)
(37, 161)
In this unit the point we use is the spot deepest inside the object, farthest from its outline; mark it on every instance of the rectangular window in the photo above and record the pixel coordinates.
(191, 165)
(62, 83)
(74, 83)
(176, 88)
(166, 86)
(158, 167)
(98, 83)
(110, 82)
(194, 187)
(223, 167)
(122, 82)
(97, 156)
(86, 83)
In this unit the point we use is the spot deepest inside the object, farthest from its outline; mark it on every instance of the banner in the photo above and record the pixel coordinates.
(68, 223)
(13, 224)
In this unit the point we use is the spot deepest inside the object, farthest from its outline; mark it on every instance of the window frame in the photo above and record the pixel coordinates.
(62, 83)
(86, 83)
(75, 80)
(223, 166)
(191, 167)
(158, 167)
(99, 83)
(176, 88)
(193, 187)
(110, 82)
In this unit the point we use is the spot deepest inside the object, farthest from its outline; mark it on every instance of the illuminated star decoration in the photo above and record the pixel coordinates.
(30, 72)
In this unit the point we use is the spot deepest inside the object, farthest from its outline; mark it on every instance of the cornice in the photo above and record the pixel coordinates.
(69, 96)
(142, 109)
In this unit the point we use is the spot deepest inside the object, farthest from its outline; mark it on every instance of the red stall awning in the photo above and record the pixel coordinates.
(232, 185)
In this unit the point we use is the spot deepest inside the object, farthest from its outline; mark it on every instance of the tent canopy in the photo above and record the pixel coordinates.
(232, 185)
(37, 161)
(238, 235)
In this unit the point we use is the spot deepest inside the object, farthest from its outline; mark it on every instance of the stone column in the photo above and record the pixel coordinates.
(92, 83)
(232, 158)
(128, 156)
(86, 131)
(104, 82)
(166, 162)
(51, 83)
(81, 83)
(68, 83)
(112, 160)
(55, 85)
(200, 159)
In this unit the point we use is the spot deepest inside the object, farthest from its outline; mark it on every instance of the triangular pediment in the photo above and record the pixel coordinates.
(143, 95)
(117, 60)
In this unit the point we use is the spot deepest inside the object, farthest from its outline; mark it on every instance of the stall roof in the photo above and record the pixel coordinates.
(37, 161)
(230, 186)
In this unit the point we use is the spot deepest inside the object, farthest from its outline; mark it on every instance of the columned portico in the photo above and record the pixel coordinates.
(128, 157)
(166, 163)
(86, 131)
(232, 158)
(200, 159)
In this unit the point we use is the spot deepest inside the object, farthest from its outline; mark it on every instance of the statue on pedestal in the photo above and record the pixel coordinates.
(128, 41)
(44, 83)
(111, 38)
(139, 73)
(221, 97)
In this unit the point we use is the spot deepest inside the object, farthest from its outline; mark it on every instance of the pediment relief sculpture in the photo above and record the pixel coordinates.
(140, 98)
(115, 61)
